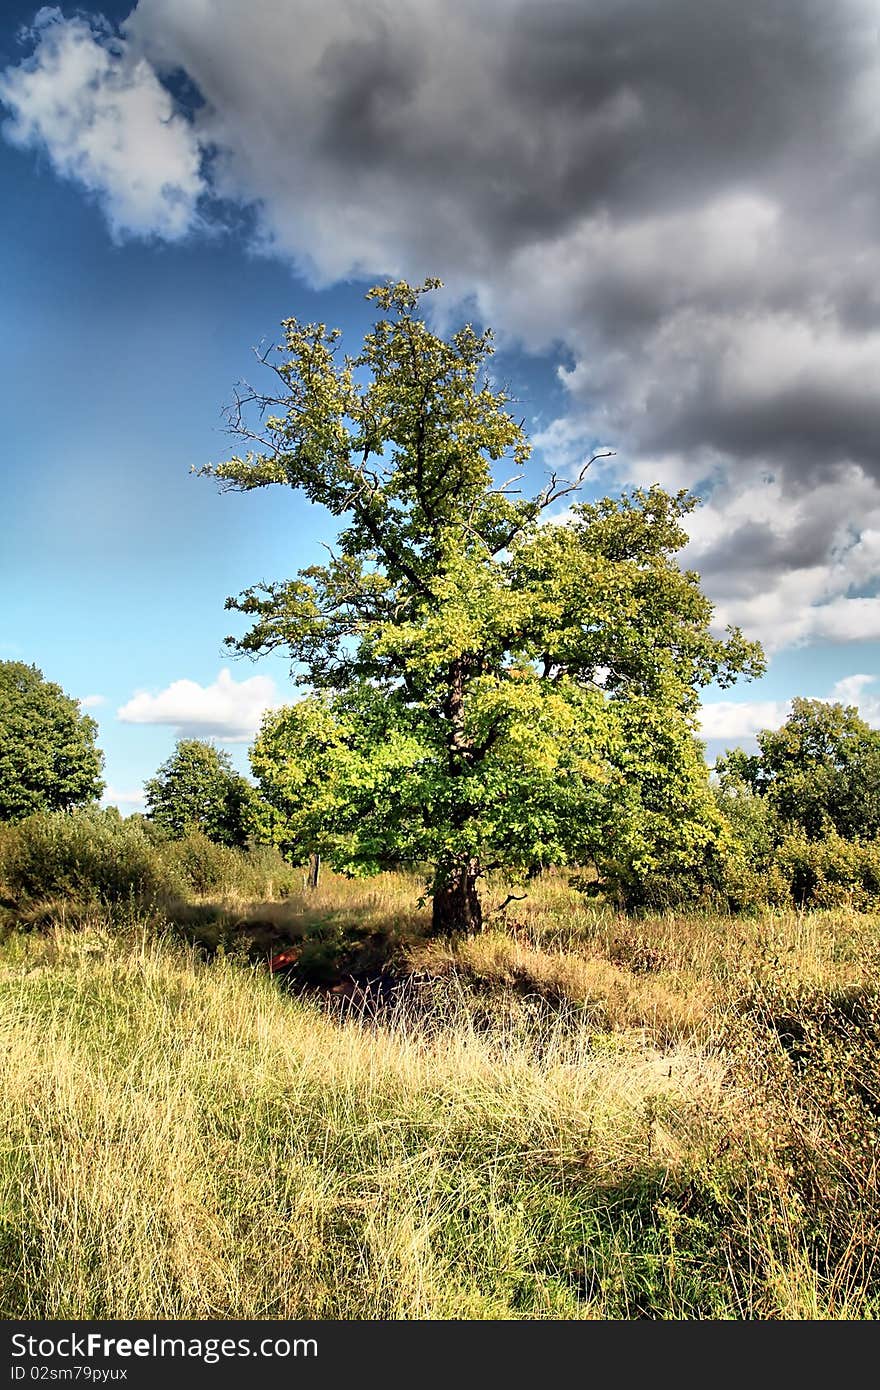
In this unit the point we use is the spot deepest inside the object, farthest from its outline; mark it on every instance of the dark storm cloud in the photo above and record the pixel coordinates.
(533, 115)
(724, 91)
(684, 195)
(753, 553)
(369, 88)
(538, 113)
(805, 428)
(681, 193)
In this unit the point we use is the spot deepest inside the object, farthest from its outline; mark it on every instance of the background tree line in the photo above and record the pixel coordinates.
(799, 820)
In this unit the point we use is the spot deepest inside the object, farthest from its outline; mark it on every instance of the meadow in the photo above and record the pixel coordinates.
(574, 1115)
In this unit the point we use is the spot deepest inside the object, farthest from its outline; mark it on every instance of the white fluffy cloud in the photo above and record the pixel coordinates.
(228, 710)
(127, 799)
(854, 690)
(737, 721)
(741, 719)
(93, 701)
(105, 120)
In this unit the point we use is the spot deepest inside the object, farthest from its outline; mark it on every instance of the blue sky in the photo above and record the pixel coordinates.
(151, 237)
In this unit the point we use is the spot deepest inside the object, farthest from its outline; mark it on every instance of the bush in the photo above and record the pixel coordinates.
(747, 886)
(203, 865)
(751, 877)
(265, 873)
(780, 864)
(832, 872)
(89, 856)
(156, 834)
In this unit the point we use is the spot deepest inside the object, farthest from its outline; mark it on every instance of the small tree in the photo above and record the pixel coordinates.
(820, 770)
(48, 757)
(198, 789)
(486, 690)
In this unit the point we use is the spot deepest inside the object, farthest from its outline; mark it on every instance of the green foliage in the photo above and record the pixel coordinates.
(197, 789)
(804, 812)
(155, 833)
(86, 856)
(831, 872)
(820, 770)
(774, 861)
(203, 865)
(750, 876)
(48, 758)
(91, 857)
(486, 690)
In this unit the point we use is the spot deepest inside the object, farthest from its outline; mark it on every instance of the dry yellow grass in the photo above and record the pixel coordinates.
(181, 1141)
(610, 995)
(577, 1116)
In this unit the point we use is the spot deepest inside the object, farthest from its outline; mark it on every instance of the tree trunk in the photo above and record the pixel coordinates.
(456, 906)
(314, 870)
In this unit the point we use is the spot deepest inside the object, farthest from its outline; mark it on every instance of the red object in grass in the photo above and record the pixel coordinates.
(282, 960)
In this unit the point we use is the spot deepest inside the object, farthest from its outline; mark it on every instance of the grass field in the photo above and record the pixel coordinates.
(574, 1115)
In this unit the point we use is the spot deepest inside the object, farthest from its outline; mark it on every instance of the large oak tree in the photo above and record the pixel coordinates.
(487, 687)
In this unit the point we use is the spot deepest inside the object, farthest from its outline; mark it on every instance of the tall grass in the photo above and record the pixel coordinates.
(183, 1139)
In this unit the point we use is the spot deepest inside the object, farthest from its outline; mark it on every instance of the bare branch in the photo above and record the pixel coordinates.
(552, 492)
(511, 898)
(499, 491)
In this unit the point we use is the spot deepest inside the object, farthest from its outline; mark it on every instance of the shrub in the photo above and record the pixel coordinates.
(780, 863)
(203, 865)
(89, 856)
(751, 877)
(831, 872)
(747, 886)
(265, 873)
(156, 834)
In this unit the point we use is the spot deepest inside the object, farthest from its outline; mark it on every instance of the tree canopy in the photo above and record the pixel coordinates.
(48, 757)
(197, 788)
(820, 770)
(486, 687)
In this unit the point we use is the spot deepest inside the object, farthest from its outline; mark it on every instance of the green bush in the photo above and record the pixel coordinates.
(779, 864)
(265, 873)
(747, 886)
(156, 834)
(751, 877)
(831, 872)
(89, 856)
(203, 865)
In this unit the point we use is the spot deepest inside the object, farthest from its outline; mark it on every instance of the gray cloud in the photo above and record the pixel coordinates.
(752, 553)
(668, 188)
(684, 196)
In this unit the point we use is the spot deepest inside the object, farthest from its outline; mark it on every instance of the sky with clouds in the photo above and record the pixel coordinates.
(667, 210)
